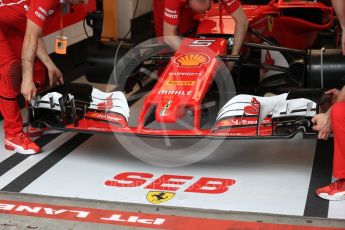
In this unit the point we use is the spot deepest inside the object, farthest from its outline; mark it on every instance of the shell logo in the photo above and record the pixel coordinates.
(192, 60)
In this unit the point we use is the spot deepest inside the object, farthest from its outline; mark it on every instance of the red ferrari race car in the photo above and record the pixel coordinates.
(194, 94)
(289, 23)
(192, 88)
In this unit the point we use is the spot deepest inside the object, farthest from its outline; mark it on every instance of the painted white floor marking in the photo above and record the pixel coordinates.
(34, 159)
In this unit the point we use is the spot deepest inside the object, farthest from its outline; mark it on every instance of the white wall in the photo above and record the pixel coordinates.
(126, 10)
(74, 33)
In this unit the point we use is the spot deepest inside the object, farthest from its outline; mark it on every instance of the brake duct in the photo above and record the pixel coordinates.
(314, 68)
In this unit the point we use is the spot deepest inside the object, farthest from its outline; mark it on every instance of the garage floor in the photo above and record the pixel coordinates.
(248, 178)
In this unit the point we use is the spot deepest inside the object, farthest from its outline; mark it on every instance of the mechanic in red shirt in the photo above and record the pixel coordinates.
(23, 59)
(334, 120)
(324, 123)
(176, 17)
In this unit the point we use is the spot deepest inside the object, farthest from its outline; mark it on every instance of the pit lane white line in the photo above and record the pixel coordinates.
(19, 169)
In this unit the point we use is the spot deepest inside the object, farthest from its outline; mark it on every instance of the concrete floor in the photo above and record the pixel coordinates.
(11, 222)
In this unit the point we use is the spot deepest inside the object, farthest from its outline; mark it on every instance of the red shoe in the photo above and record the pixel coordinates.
(334, 191)
(21, 144)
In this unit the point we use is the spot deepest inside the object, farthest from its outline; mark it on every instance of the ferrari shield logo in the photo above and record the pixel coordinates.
(166, 107)
(156, 197)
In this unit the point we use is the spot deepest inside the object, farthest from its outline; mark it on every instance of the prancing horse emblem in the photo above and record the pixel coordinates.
(156, 197)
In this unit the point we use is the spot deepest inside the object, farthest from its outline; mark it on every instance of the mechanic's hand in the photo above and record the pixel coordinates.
(341, 95)
(28, 89)
(334, 93)
(343, 42)
(55, 76)
(322, 124)
(230, 65)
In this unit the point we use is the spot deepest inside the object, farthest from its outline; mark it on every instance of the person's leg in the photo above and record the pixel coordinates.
(16, 43)
(10, 81)
(338, 126)
(336, 190)
(40, 75)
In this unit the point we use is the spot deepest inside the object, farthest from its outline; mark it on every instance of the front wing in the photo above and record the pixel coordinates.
(82, 108)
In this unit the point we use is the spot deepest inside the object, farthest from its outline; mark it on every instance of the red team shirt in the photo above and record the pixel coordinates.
(40, 10)
(13, 13)
(178, 13)
(13, 17)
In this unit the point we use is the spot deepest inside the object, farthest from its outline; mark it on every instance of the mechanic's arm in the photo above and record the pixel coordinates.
(240, 30)
(171, 35)
(54, 74)
(339, 8)
(341, 96)
(322, 121)
(32, 35)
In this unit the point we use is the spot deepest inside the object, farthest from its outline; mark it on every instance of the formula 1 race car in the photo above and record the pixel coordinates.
(194, 94)
(194, 77)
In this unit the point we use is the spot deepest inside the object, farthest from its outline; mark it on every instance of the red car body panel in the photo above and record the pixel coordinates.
(273, 21)
(185, 81)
